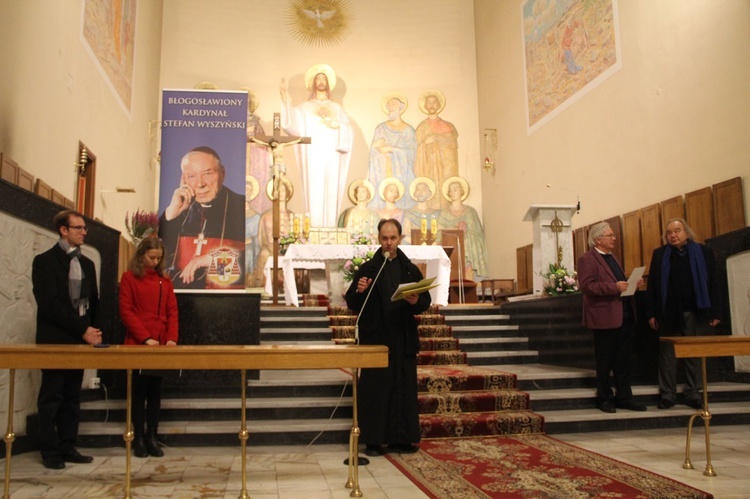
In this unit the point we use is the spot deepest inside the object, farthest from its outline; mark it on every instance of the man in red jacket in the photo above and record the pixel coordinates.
(610, 317)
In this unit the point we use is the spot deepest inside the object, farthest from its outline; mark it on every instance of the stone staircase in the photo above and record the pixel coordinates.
(301, 407)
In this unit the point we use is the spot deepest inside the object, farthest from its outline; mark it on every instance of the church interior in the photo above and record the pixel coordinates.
(461, 119)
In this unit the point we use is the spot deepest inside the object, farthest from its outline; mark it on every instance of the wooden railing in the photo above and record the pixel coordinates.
(130, 357)
(705, 346)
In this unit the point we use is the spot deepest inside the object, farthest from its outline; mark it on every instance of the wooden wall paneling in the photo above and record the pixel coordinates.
(43, 189)
(8, 169)
(699, 213)
(57, 198)
(524, 268)
(672, 208)
(127, 250)
(580, 244)
(631, 241)
(69, 204)
(616, 224)
(729, 206)
(25, 180)
(651, 232)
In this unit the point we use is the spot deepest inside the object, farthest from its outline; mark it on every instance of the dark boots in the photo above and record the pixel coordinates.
(152, 443)
(139, 445)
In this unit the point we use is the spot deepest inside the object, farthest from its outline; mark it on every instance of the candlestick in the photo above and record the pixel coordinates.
(296, 225)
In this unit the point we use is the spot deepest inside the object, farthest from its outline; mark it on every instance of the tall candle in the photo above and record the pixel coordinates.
(433, 226)
(307, 223)
(424, 227)
(296, 225)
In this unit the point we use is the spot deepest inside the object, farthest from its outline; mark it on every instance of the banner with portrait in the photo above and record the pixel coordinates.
(202, 188)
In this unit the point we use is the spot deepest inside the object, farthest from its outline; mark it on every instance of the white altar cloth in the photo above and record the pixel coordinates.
(315, 256)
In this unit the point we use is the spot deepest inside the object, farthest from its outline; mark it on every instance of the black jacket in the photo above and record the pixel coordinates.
(57, 321)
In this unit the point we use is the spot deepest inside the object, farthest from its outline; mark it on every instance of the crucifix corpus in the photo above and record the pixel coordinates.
(556, 226)
(276, 144)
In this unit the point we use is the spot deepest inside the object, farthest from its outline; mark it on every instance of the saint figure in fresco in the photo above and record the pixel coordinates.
(394, 147)
(461, 216)
(437, 144)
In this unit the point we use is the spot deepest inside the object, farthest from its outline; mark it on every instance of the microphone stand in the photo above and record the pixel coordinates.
(386, 254)
(461, 298)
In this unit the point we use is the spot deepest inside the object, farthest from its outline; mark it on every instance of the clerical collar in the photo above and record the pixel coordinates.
(205, 205)
(601, 252)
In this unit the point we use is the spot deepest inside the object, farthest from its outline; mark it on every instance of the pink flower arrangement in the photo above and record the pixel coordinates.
(141, 224)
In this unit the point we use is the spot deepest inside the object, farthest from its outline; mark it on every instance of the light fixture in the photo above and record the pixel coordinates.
(490, 148)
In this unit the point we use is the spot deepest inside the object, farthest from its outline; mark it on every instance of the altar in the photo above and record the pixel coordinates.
(332, 257)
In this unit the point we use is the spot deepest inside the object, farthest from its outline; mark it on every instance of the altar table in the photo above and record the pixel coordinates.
(242, 357)
(705, 346)
(315, 256)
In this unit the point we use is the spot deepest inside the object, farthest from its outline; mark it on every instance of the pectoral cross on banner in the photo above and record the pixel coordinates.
(199, 243)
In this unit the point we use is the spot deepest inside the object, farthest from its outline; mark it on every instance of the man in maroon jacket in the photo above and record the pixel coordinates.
(610, 317)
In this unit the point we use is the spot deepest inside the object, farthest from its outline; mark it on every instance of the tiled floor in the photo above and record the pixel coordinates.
(318, 471)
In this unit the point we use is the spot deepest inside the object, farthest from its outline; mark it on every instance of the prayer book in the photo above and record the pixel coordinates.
(413, 287)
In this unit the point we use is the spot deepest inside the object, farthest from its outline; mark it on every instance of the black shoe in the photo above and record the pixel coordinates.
(403, 448)
(53, 463)
(374, 450)
(607, 406)
(76, 457)
(152, 444)
(695, 404)
(665, 404)
(361, 461)
(139, 447)
(630, 405)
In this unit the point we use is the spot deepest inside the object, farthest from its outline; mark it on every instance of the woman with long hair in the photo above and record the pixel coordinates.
(148, 309)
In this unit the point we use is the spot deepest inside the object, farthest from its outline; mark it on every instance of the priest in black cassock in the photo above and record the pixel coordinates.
(203, 228)
(387, 406)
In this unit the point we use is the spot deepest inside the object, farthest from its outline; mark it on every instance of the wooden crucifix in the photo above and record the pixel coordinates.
(276, 144)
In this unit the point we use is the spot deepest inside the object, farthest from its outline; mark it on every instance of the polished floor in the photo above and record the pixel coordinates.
(317, 471)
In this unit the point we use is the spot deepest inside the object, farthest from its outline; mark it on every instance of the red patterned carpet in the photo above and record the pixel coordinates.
(526, 466)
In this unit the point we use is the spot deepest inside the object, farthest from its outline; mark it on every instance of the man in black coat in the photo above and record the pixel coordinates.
(67, 301)
(683, 300)
(387, 406)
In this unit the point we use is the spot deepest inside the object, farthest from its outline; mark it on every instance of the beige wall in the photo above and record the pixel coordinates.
(675, 118)
(407, 46)
(52, 96)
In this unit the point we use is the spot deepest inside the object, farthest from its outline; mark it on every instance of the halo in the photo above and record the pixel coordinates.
(391, 180)
(252, 99)
(206, 85)
(436, 93)
(460, 180)
(315, 70)
(249, 179)
(289, 189)
(422, 180)
(353, 189)
(393, 95)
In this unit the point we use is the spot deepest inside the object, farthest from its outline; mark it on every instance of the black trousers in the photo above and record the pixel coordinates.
(146, 403)
(612, 349)
(59, 406)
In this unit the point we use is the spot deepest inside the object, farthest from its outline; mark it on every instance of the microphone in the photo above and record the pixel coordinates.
(578, 198)
(387, 255)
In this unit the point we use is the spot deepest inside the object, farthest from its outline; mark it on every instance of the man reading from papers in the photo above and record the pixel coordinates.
(203, 226)
(388, 409)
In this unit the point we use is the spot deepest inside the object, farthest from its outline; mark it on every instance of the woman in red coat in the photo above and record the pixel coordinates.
(148, 309)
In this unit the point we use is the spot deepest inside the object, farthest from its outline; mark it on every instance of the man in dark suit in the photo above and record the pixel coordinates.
(67, 301)
(683, 300)
(610, 317)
